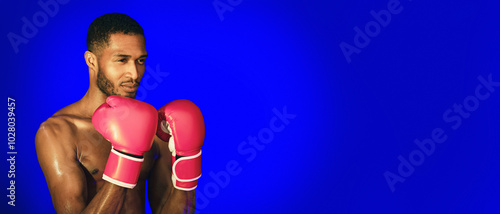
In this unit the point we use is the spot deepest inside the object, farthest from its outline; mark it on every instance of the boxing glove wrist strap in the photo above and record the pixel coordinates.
(122, 170)
(186, 171)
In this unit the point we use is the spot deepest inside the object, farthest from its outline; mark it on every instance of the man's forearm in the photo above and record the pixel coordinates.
(108, 200)
(180, 202)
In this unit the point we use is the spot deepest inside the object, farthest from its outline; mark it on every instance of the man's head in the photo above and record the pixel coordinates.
(116, 52)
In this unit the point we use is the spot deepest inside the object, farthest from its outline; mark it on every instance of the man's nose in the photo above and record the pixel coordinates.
(132, 71)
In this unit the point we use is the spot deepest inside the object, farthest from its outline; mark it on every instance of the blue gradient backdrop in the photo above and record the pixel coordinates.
(352, 120)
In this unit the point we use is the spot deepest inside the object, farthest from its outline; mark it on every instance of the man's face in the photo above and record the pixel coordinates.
(121, 65)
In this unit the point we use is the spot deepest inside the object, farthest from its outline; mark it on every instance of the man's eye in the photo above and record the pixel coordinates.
(122, 60)
(141, 61)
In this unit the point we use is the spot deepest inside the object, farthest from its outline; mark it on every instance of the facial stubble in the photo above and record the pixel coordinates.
(106, 86)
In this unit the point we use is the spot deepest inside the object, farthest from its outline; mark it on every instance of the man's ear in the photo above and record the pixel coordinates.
(91, 60)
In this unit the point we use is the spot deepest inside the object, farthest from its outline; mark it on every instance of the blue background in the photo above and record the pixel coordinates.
(353, 120)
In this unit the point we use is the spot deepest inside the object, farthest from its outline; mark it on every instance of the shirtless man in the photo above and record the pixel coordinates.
(73, 155)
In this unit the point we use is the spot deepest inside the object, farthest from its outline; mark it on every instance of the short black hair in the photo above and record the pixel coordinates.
(103, 26)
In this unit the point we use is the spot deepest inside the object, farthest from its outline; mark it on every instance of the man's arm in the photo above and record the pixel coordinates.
(163, 197)
(65, 177)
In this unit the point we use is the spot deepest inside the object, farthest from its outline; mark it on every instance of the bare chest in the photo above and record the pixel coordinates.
(93, 151)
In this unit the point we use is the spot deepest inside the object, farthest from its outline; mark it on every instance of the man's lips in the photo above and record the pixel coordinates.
(129, 88)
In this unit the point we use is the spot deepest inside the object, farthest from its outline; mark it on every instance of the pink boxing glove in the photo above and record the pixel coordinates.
(182, 120)
(130, 126)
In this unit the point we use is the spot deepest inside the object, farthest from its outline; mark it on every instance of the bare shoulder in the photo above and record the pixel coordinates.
(57, 133)
(60, 127)
(54, 129)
